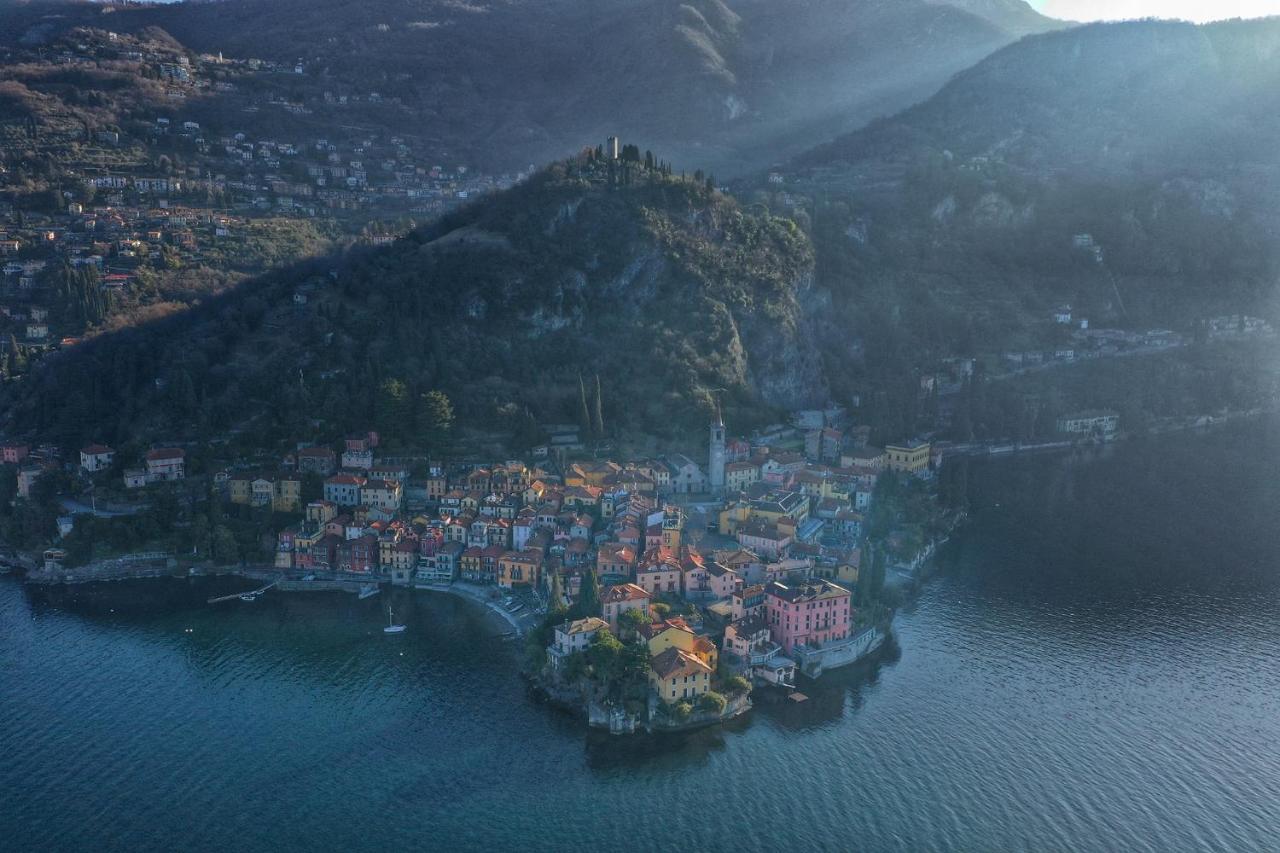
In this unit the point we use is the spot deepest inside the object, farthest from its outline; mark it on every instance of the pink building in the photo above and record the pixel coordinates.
(807, 613)
(659, 572)
(12, 454)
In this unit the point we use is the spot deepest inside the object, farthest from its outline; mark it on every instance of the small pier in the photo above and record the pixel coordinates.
(255, 593)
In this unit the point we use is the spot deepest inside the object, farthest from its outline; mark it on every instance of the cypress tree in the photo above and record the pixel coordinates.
(598, 426)
(584, 412)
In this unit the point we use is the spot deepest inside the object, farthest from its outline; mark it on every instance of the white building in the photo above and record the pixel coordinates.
(96, 457)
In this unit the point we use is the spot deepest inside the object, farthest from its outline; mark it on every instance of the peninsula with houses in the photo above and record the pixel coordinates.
(651, 593)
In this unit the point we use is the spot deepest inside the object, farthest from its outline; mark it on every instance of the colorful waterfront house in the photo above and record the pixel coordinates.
(471, 564)
(574, 636)
(359, 555)
(519, 568)
(446, 562)
(404, 562)
(758, 655)
(618, 599)
(489, 559)
(807, 613)
(676, 674)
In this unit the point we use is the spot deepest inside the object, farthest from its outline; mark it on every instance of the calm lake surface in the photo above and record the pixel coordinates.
(1096, 668)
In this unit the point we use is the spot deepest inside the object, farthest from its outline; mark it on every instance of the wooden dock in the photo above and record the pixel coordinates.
(255, 593)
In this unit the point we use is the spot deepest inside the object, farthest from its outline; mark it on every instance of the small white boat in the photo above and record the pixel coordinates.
(369, 590)
(248, 596)
(392, 627)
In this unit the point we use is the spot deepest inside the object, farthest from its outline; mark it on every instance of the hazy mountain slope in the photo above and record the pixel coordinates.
(665, 289)
(1016, 16)
(722, 84)
(965, 219)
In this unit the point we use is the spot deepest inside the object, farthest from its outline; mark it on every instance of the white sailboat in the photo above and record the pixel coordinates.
(392, 627)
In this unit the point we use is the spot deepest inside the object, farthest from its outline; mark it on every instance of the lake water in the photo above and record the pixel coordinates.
(1096, 668)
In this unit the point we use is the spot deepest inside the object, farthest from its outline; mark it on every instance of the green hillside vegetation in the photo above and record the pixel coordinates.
(1129, 170)
(658, 284)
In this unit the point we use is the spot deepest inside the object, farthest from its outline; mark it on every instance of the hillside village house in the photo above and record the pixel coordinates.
(616, 600)
(343, 489)
(384, 494)
(317, 460)
(13, 454)
(26, 479)
(909, 458)
(165, 464)
(283, 493)
(659, 572)
(676, 633)
(574, 636)
(96, 457)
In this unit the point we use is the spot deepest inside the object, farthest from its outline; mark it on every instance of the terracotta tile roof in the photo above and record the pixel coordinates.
(623, 592)
(676, 662)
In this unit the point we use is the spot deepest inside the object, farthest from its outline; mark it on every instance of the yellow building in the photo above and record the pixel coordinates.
(676, 633)
(672, 524)
(519, 568)
(675, 675)
(288, 494)
(240, 489)
(910, 458)
(734, 516)
(590, 473)
(847, 573)
(739, 475)
(281, 493)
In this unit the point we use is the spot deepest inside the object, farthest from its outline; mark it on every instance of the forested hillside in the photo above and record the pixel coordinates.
(665, 289)
(721, 84)
(1130, 171)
